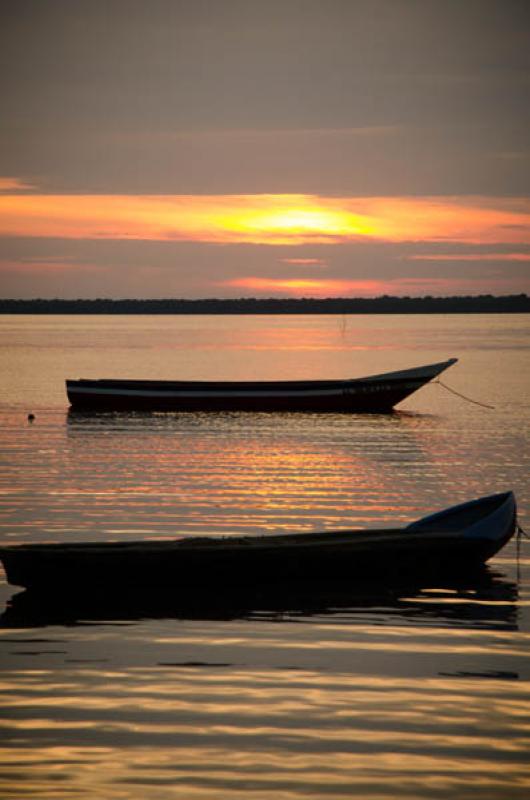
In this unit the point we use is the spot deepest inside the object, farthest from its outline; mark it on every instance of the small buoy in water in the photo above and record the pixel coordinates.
(31, 417)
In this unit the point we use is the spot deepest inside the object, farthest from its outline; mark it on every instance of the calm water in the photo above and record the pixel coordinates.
(421, 695)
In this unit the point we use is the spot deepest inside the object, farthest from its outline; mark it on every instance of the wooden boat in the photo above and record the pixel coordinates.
(456, 539)
(376, 393)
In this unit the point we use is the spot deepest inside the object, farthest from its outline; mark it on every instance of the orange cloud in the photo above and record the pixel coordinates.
(14, 185)
(47, 266)
(266, 219)
(305, 262)
(305, 286)
(365, 288)
(471, 257)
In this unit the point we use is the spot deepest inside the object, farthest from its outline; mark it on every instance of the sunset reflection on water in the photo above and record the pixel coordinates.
(416, 694)
(208, 732)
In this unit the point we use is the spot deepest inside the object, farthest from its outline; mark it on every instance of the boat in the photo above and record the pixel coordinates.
(453, 540)
(375, 393)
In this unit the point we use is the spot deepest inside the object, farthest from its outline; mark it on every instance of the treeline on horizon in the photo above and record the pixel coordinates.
(477, 304)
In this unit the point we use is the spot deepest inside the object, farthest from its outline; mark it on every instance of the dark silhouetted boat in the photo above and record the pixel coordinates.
(456, 539)
(376, 393)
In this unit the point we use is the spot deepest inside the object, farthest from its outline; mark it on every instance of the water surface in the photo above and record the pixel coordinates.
(419, 694)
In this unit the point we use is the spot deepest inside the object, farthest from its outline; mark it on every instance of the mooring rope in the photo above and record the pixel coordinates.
(521, 532)
(463, 396)
(519, 536)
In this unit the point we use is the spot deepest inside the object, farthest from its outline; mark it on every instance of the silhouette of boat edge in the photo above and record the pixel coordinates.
(457, 539)
(375, 393)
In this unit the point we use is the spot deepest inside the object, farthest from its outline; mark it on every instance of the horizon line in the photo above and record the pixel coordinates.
(488, 295)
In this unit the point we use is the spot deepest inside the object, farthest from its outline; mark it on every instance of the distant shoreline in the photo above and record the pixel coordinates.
(478, 304)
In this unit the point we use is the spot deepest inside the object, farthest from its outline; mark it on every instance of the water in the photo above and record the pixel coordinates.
(421, 695)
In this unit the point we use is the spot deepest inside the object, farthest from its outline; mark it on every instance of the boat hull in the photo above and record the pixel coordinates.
(152, 568)
(376, 394)
(207, 565)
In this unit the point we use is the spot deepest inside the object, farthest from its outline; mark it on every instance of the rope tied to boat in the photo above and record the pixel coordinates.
(463, 396)
(518, 542)
(521, 532)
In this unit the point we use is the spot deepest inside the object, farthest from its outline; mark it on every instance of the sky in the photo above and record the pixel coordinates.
(264, 148)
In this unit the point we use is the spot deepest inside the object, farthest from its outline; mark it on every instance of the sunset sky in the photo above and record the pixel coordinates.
(240, 148)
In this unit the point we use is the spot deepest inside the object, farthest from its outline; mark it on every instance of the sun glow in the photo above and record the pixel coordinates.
(307, 287)
(265, 219)
(297, 225)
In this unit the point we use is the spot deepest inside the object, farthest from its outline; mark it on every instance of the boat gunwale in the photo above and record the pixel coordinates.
(422, 374)
(344, 540)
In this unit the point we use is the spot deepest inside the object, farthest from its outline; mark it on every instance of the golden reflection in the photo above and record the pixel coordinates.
(389, 640)
(278, 732)
(270, 481)
(214, 772)
(253, 730)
